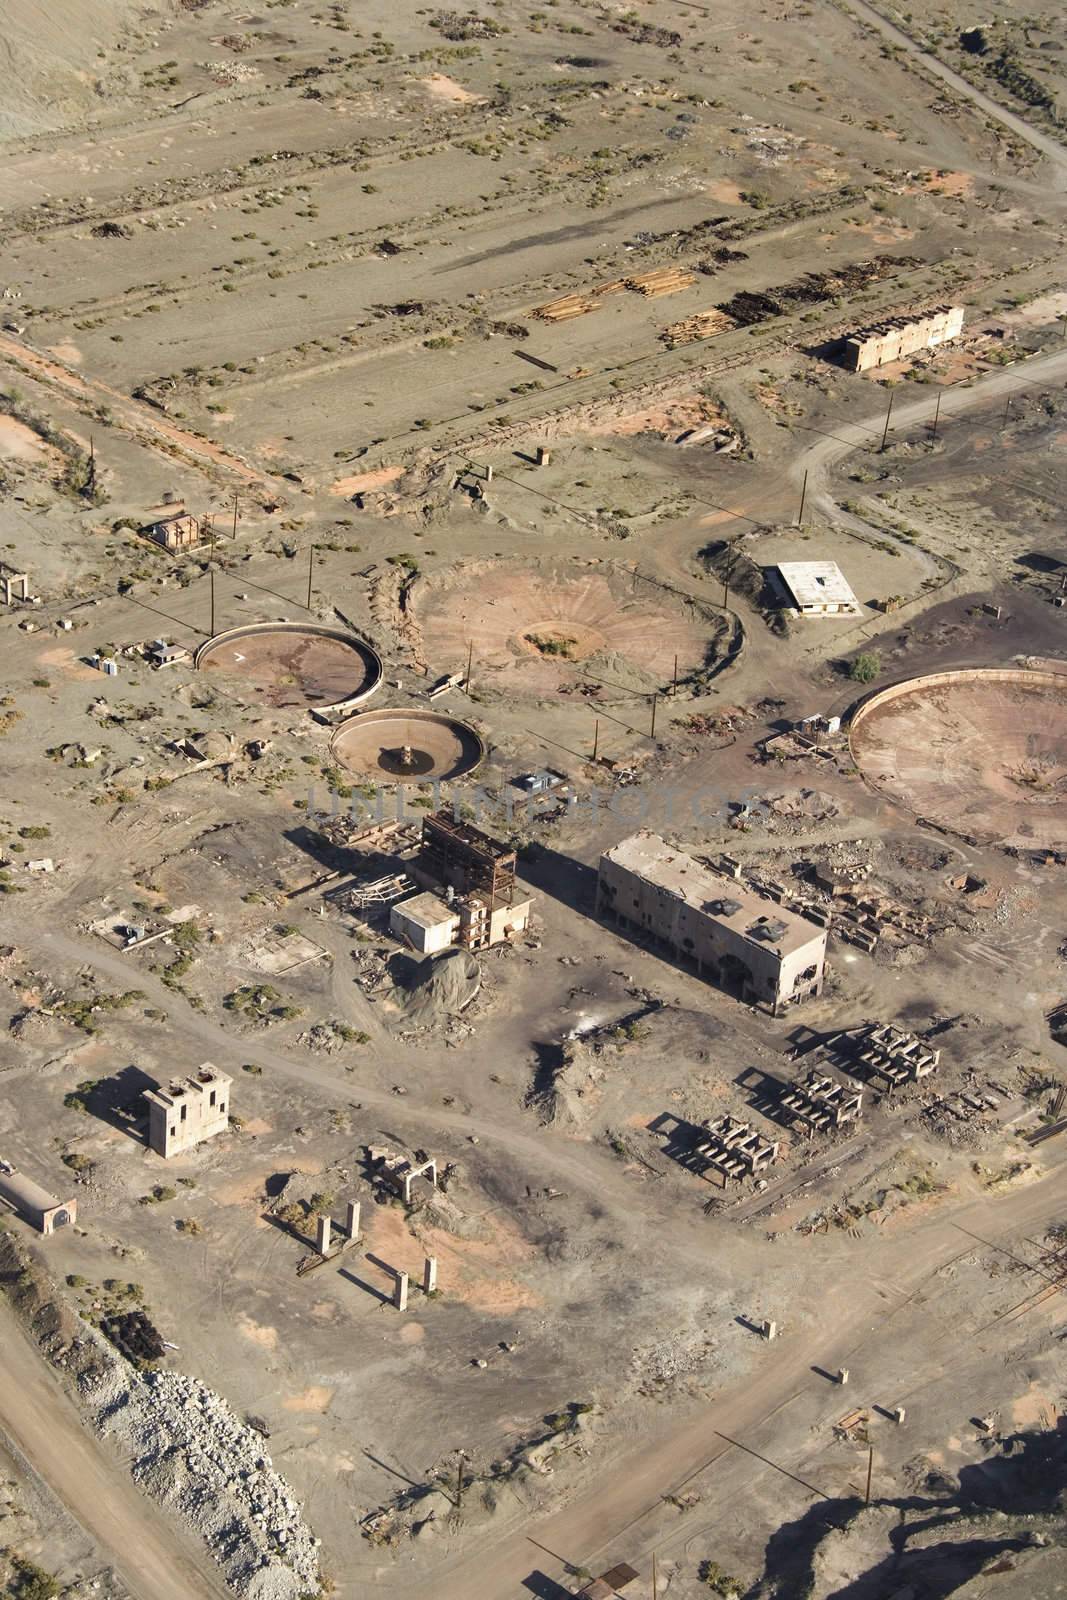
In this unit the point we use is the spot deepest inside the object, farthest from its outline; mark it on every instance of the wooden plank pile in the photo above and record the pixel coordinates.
(566, 307)
(702, 325)
(661, 280)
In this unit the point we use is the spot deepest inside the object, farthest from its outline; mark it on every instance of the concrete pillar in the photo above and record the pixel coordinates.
(898, 1415)
(400, 1291)
(429, 1275)
(770, 1330)
(322, 1242)
(488, 474)
(544, 456)
(352, 1219)
(842, 1375)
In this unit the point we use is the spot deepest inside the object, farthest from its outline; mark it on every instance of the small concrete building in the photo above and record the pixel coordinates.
(817, 589)
(427, 922)
(762, 952)
(898, 337)
(34, 1204)
(178, 532)
(188, 1111)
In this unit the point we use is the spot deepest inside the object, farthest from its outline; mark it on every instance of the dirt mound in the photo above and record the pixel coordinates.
(438, 987)
(567, 1098)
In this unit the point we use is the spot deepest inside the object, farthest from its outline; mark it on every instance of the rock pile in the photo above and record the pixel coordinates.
(189, 1451)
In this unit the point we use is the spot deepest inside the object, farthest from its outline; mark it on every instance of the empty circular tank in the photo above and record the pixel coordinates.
(407, 746)
(980, 752)
(295, 664)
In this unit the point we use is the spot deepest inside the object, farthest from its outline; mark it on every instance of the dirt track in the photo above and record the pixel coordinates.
(1049, 147)
(48, 1432)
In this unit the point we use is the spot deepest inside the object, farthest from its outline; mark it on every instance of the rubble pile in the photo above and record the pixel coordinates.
(189, 1451)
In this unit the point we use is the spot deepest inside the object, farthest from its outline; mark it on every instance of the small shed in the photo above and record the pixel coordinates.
(34, 1204)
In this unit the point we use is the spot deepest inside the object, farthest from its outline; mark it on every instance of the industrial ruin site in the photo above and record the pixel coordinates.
(533, 811)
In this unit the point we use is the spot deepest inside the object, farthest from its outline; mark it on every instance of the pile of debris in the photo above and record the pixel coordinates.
(466, 25)
(438, 987)
(189, 1451)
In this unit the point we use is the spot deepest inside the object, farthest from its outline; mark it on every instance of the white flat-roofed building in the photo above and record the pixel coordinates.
(764, 953)
(428, 923)
(818, 589)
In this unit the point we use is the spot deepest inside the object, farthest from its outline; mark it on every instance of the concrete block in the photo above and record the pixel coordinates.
(400, 1291)
(322, 1237)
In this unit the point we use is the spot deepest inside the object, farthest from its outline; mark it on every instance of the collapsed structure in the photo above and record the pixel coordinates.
(188, 1111)
(727, 932)
(898, 337)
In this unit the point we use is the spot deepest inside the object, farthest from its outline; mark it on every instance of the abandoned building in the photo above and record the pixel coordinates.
(188, 1111)
(471, 882)
(816, 589)
(178, 532)
(898, 337)
(762, 952)
(34, 1204)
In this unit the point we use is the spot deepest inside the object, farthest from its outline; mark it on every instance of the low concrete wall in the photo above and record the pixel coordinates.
(358, 646)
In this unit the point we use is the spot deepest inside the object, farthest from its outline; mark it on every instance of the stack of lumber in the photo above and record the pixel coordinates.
(703, 325)
(567, 306)
(661, 280)
(613, 286)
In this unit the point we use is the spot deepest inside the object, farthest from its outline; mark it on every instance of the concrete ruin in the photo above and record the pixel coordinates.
(182, 531)
(735, 1150)
(898, 337)
(34, 1204)
(763, 953)
(469, 896)
(820, 1104)
(189, 1111)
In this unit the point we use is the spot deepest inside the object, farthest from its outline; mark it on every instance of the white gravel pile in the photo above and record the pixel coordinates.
(189, 1451)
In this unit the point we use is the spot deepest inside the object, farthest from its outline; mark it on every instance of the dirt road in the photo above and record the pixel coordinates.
(1048, 146)
(46, 1429)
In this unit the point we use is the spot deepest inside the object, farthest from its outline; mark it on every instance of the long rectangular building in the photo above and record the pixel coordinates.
(726, 931)
(898, 337)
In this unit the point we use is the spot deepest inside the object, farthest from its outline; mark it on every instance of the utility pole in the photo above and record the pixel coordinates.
(889, 413)
(937, 413)
(596, 737)
(470, 659)
(1007, 408)
(674, 686)
(803, 497)
(235, 513)
(211, 576)
(870, 1469)
(311, 568)
(652, 730)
